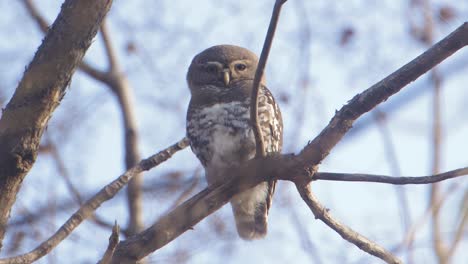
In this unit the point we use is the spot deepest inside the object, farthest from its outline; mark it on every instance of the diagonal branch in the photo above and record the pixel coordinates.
(260, 149)
(342, 122)
(88, 208)
(44, 26)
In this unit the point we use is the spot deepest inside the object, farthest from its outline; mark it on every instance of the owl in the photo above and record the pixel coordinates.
(220, 79)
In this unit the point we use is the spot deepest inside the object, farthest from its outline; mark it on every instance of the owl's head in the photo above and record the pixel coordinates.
(221, 66)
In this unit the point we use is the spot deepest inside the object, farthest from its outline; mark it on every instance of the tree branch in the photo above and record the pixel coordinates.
(357, 177)
(113, 241)
(40, 91)
(44, 26)
(88, 208)
(286, 167)
(260, 149)
(320, 212)
(119, 85)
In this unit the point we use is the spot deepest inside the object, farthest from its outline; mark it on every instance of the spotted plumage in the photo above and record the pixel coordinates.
(219, 128)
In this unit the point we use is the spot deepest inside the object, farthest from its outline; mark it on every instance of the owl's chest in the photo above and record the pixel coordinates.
(221, 134)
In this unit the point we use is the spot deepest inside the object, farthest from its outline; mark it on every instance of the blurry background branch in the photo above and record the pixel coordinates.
(394, 166)
(117, 82)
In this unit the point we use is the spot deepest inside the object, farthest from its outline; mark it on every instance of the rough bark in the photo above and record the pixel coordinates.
(40, 91)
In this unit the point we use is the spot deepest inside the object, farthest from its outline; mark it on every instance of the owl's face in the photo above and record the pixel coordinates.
(221, 66)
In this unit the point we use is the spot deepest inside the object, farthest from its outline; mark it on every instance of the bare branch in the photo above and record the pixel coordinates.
(357, 177)
(119, 85)
(44, 26)
(113, 241)
(345, 232)
(88, 208)
(286, 167)
(260, 149)
(320, 147)
(40, 91)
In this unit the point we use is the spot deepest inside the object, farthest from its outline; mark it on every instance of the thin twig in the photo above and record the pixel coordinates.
(322, 213)
(88, 208)
(63, 172)
(113, 241)
(260, 149)
(358, 177)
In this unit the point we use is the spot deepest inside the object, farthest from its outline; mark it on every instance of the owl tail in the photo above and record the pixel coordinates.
(251, 213)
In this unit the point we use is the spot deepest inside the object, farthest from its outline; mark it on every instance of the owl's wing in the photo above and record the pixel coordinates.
(196, 132)
(271, 124)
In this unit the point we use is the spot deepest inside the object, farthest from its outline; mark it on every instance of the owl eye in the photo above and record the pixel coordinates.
(211, 68)
(240, 66)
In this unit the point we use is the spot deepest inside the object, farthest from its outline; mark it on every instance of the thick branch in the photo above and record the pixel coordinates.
(119, 85)
(40, 91)
(88, 208)
(44, 26)
(288, 167)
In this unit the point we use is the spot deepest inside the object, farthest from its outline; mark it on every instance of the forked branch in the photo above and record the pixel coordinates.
(285, 167)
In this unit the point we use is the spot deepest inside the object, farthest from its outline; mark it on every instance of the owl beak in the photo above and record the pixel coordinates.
(226, 77)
